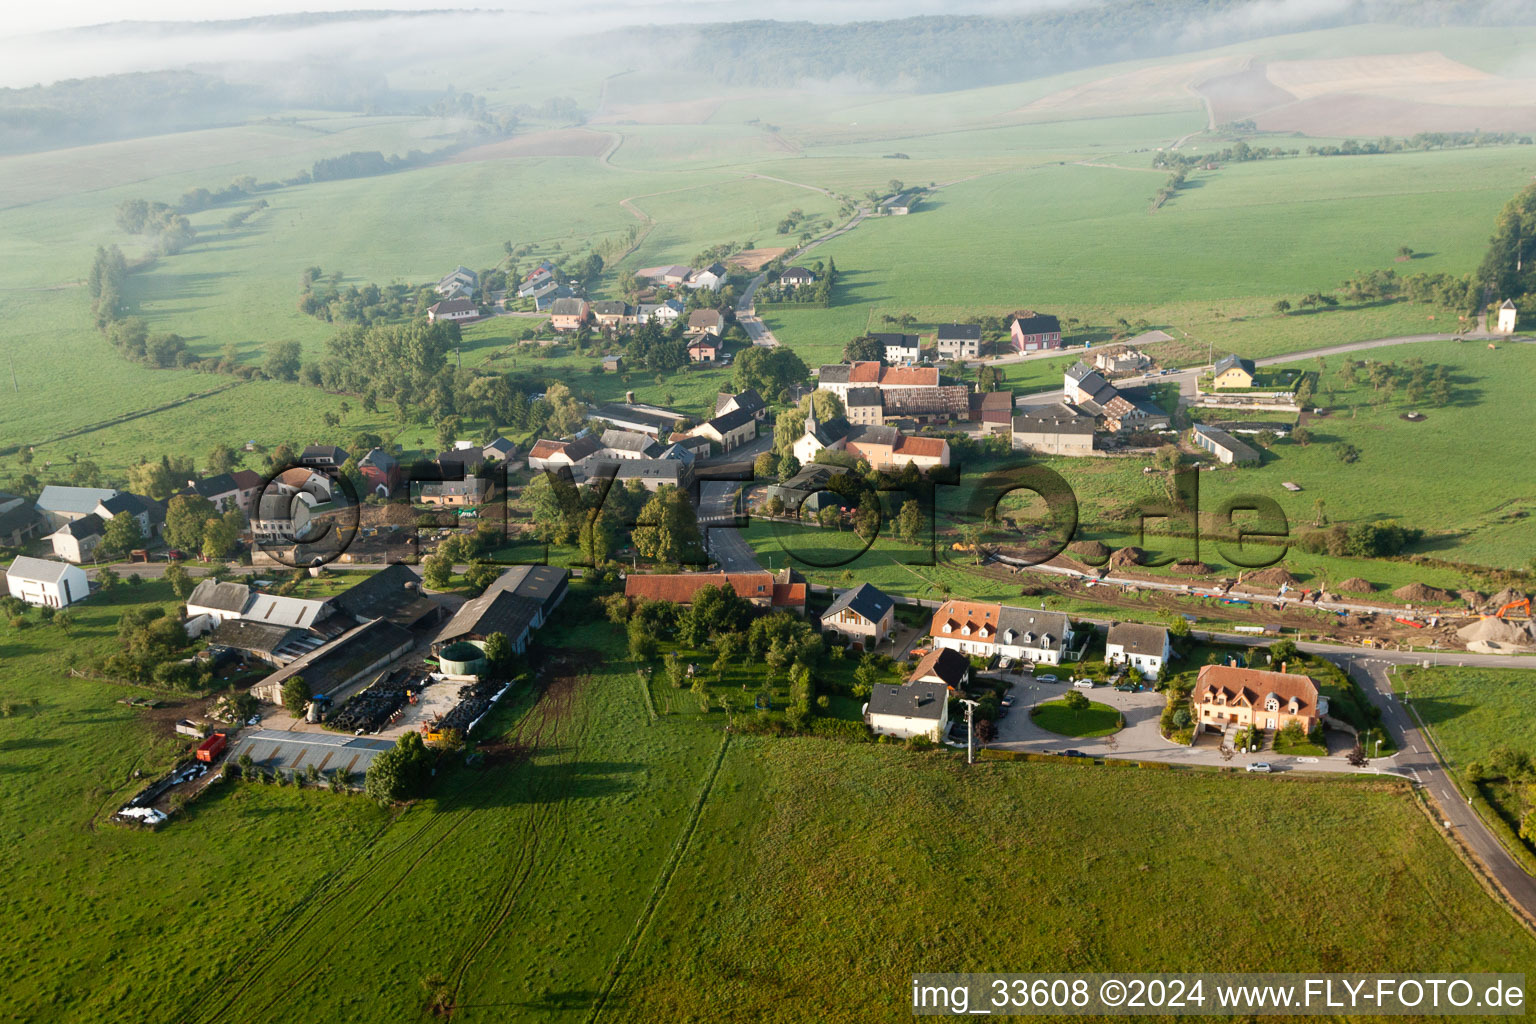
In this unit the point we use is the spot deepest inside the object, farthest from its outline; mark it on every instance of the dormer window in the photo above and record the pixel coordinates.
(966, 631)
(949, 627)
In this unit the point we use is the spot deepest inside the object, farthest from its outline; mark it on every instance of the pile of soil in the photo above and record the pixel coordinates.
(1356, 585)
(1094, 549)
(1500, 631)
(1274, 576)
(1474, 598)
(1125, 556)
(1508, 595)
(1421, 594)
(1191, 568)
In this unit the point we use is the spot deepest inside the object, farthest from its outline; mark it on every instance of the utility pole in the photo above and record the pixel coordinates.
(970, 705)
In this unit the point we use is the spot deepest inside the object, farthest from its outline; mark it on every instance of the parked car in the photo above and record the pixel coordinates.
(1083, 684)
(1073, 753)
(1127, 688)
(1008, 701)
(1260, 766)
(1045, 679)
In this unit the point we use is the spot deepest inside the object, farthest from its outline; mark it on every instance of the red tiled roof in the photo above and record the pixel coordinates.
(679, 588)
(1250, 686)
(865, 373)
(921, 447)
(789, 595)
(544, 449)
(909, 376)
(246, 479)
(982, 618)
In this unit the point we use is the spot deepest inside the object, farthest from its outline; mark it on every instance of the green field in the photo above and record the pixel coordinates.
(596, 837)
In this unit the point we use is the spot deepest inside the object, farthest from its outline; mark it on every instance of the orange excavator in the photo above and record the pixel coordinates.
(1522, 605)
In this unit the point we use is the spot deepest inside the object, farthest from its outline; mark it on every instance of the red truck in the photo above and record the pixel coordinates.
(212, 747)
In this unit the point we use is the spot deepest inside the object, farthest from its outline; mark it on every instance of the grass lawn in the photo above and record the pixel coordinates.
(781, 907)
(1472, 711)
(1304, 748)
(597, 837)
(1094, 720)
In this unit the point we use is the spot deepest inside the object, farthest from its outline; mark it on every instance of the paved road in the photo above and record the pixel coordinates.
(717, 505)
(1186, 378)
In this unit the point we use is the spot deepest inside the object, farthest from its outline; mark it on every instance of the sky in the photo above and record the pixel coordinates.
(26, 19)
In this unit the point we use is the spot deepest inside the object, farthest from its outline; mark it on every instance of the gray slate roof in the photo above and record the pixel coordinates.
(866, 600)
(912, 700)
(42, 570)
(73, 500)
(1137, 637)
(226, 597)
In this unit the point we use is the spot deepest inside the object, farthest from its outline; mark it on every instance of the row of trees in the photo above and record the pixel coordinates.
(322, 297)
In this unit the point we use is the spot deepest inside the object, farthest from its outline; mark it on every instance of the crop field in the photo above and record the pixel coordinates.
(574, 851)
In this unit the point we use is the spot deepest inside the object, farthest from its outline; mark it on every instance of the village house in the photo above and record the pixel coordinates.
(943, 666)
(886, 448)
(729, 431)
(1232, 372)
(46, 583)
(568, 314)
(612, 313)
(1000, 630)
(1053, 430)
(957, 341)
(992, 409)
(899, 205)
(652, 474)
(219, 601)
(77, 540)
(701, 321)
(864, 406)
(1121, 360)
(818, 434)
(248, 485)
(711, 277)
(1139, 646)
(808, 491)
(1116, 410)
(20, 521)
(380, 472)
(1034, 332)
(900, 348)
(664, 313)
(1227, 697)
(796, 276)
(909, 710)
(538, 277)
(61, 504)
(629, 444)
(782, 590)
(863, 616)
(705, 348)
(749, 400)
(452, 310)
(472, 490)
(331, 668)
(459, 282)
(323, 456)
(1227, 449)
(1507, 316)
(546, 454)
(544, 298)
(913, 392)
(498, 449)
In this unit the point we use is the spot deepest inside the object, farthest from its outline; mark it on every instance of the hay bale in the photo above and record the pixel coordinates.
(1356, 585)
(1419, 593)
(1094, 549)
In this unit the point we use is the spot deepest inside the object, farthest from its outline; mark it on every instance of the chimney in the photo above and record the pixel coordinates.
(1282, 666)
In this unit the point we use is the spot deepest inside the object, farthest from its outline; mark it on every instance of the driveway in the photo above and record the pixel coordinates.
(1141, 740)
